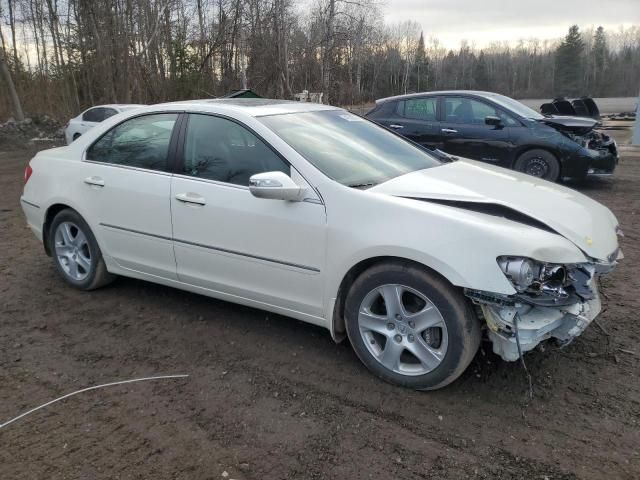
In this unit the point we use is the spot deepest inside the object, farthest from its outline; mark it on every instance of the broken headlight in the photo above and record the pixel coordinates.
(535, 278)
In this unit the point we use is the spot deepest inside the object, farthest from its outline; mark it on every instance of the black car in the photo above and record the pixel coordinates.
(500, 130)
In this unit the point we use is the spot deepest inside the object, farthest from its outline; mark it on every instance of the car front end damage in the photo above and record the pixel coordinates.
(598, 152)
(593, 152)
(551, 301)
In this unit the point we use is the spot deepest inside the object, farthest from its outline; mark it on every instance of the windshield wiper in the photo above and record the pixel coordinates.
(362, 185)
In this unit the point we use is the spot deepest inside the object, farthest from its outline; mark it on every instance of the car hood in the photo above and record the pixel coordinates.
(577, 125)
(470, 184)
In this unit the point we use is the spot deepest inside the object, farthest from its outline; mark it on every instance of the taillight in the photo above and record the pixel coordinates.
(27, 173)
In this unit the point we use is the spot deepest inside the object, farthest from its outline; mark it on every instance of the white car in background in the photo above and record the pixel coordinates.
(312, 212)
(92, 117)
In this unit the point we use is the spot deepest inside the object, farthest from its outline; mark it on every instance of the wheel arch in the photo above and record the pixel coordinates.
(527, 148)
(337, 324)
(50, 214)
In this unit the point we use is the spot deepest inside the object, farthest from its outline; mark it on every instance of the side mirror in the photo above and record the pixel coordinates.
(495, 121)
(275, 186)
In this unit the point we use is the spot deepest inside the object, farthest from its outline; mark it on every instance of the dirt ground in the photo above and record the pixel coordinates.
(269, 397)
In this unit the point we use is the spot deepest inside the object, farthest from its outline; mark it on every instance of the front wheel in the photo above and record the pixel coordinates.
(410, 327)
(75, 252)
(539, 163)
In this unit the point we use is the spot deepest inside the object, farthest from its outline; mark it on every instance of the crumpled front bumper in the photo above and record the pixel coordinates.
(590, 161)
(536, 324)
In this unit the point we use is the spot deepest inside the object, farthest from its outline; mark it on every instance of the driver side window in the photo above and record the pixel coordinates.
(219, 149)
(141, 142)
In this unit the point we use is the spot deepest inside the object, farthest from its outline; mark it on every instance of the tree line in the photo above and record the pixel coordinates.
(65, 55)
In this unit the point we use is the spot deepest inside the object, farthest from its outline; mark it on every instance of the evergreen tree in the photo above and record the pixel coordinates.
(422, 66)
(569, 60)
(481, 73)
(600, 57)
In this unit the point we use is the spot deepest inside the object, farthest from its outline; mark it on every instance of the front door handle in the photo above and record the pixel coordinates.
(395, 126)
(190, 197)
(94, 181)
(449, 130)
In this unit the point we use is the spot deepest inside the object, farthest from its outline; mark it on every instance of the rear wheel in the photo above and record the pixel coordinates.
(539, 163)
(75, 252)
(410, 327)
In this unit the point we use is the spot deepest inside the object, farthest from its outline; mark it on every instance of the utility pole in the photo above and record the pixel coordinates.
(636, 129)
(6, 75)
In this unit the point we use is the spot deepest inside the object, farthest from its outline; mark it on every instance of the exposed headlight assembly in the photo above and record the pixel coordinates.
(520, 271)
(535, 278)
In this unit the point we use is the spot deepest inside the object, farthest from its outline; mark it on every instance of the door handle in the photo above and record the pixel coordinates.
(94, 181)
(449, 130)
(192, 198)
(395, 126)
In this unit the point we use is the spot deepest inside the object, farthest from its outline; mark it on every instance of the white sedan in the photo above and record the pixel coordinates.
(92, 117)
(312, 212)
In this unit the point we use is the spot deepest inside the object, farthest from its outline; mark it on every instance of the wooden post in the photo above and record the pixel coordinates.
(6, 75)
(636, 128)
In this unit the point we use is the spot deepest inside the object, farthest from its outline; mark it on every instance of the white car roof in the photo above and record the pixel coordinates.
(255, 107)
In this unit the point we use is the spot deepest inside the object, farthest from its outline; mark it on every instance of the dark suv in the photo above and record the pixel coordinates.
(499, 130)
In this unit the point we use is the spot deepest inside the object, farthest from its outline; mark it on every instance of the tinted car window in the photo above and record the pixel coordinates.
(141, 142)
(222, 150)
(470, 111)
(108, 112)
(93, 115)
(418, 108)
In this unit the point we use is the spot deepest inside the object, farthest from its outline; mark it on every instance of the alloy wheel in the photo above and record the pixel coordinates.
(403, 329)
(72, 251)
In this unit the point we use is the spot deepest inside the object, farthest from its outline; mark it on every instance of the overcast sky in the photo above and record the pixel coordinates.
(484, 21)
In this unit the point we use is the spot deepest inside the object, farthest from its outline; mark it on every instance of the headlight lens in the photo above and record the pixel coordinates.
(522, 272)
(536, 278)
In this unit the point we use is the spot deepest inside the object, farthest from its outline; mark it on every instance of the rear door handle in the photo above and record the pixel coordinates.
(94, 181)
(395, 126)
(449, 130)
(192, 198)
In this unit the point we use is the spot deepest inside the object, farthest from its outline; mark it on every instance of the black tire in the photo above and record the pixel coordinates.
(539, 163)
(96, 275)
(462, 325)
(76, 136)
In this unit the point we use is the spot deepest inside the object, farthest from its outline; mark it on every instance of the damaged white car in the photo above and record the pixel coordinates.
(312, 212)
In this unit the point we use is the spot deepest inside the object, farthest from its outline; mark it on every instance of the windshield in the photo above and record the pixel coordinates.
(516, 107)
(347, 148)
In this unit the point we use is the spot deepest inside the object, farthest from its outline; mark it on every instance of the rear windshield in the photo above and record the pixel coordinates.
(348, 148)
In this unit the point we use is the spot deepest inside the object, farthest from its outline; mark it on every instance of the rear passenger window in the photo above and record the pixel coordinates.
(219, 149)
(418, 108)
(94, 115)
(108, 112)
(141, 142)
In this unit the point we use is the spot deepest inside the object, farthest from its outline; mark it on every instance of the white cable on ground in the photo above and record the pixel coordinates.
(2, 425)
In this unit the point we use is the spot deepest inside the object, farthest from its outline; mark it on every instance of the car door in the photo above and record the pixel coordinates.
(227, 240)
(416, 119)
(123, 185)
(465, 133)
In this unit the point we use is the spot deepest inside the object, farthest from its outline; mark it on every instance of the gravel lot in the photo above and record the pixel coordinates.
(269, 397)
